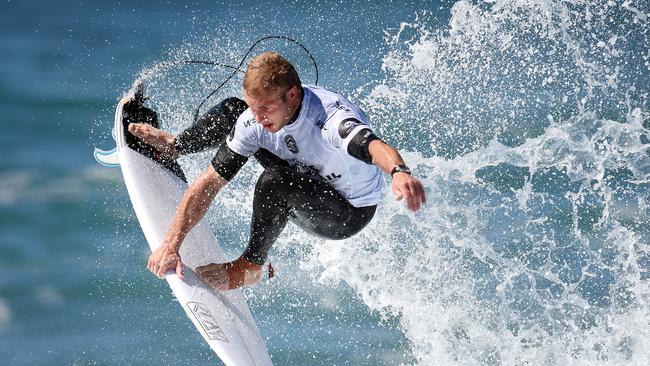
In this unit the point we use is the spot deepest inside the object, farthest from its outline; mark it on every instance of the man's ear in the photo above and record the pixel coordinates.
(292, 92)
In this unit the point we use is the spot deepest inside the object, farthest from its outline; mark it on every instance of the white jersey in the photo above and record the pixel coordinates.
(316, 143)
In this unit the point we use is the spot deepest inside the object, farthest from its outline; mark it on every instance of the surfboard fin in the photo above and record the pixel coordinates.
(107, 158)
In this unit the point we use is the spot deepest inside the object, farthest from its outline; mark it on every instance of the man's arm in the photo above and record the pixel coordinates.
(190, 211)
(404, 185)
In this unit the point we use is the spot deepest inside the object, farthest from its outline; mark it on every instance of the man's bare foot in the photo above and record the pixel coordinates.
(231, 275)
(161, 140)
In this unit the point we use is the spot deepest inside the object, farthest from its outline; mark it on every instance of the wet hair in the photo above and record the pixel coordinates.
(270, 72)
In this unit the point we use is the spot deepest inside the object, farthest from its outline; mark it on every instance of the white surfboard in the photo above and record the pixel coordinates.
(223, 318)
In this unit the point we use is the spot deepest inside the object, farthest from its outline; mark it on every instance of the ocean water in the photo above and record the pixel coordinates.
(527, 121)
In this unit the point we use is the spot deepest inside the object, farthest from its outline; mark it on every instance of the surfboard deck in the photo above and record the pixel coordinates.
(155, 188)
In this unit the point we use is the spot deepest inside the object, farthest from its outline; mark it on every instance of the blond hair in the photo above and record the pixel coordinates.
(270, 72)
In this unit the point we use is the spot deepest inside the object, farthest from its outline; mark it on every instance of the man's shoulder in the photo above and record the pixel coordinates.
(333, 102)
(324, 96)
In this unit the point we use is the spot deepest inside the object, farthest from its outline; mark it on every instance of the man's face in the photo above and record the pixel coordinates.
(271, 110)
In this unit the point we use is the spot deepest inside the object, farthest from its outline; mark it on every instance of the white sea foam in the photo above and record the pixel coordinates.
(533, 248)
(466, 297)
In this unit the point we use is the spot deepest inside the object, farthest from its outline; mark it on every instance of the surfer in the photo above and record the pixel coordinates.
(322, 167)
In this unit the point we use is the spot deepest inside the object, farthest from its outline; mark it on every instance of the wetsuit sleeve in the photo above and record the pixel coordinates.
(227, 162)
(351, 135)
(358, 145)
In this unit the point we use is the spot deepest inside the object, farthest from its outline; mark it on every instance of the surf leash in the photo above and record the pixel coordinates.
(238, 67)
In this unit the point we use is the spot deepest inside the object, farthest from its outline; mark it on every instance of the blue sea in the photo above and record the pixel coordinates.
(527, 121)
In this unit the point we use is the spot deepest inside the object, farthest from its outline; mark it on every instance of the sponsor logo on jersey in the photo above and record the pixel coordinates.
(332, 177)
(342, 107)
(291, 144)
(249, 122)
(303, 168)
(347, 125)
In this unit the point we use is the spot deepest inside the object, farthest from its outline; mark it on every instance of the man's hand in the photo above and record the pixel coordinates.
(164, 258)
(161, 140)
(190, 211)
(409, 188)
(404, 185)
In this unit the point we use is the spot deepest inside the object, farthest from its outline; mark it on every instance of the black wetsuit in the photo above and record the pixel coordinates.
(281, 193)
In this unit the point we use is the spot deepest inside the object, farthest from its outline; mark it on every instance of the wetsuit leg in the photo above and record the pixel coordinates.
(283, 194)
(211, 129)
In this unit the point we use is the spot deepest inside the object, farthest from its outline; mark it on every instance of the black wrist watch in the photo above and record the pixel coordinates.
(400, 169)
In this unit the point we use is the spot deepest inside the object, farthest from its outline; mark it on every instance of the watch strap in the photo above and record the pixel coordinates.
(402, 168)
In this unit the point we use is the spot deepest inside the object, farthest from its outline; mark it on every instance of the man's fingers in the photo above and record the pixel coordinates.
(423, 196)
(412, 192)
(419, 193)
(412, 202)
(158, 268)
(151, 265)
(172, 263)
(405, 193)
(415, 204)
(413, 199)
(162, 270)
(395, 189)
(179, 270)
(417, 197)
